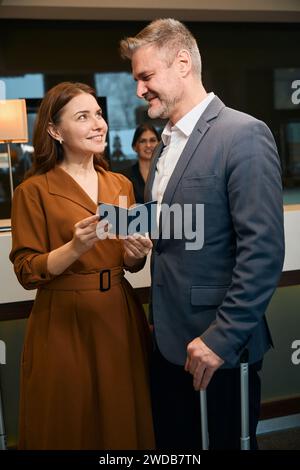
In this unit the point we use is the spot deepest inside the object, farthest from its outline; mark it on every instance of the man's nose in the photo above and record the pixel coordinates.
(141, 89)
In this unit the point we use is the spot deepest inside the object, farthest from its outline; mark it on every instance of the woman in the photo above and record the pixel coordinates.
(144, 141)
(84, 378)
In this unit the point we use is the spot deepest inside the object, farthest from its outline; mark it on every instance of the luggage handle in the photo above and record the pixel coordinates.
(244, 378)
(244, 384)
(2, 429)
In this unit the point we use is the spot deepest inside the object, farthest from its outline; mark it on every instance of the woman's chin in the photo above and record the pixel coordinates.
(100, 148)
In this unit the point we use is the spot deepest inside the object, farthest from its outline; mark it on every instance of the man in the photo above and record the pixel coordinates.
(207, 304)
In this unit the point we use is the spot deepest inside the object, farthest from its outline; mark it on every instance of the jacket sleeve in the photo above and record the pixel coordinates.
(255, 204)
(30, 244)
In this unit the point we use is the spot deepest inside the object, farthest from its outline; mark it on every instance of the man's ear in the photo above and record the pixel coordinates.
(184, 62)
(53, 132)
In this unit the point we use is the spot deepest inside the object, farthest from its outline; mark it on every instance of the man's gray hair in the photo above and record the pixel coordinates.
(167, 35)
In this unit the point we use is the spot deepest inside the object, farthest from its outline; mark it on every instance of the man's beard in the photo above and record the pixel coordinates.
(164, 110)
(160, 112)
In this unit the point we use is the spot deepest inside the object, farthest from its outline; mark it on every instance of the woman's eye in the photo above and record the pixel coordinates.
(82, 117)
(99, 114)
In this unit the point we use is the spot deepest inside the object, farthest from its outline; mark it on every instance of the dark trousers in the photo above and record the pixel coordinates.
(176, 407)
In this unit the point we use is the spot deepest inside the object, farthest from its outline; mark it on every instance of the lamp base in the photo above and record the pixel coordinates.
(11, 182)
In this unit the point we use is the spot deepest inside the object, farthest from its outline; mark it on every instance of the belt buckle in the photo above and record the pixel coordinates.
(102, 273)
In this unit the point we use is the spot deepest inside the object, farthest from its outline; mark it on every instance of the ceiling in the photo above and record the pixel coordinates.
(186, 10)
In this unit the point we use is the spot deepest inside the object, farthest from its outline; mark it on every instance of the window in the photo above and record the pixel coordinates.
(291, 146)
(124, 111)
(25, 86)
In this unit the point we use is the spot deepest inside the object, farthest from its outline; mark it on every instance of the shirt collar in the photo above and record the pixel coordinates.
(166, 133)
(187, 123)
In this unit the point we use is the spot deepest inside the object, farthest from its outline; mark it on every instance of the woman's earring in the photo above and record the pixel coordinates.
(60, 141)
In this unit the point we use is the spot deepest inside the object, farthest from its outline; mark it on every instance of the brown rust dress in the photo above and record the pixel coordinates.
(84, 374)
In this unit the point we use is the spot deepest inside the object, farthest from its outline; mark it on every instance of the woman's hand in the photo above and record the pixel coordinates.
(136, 248)
(103, 230)
(85, 235)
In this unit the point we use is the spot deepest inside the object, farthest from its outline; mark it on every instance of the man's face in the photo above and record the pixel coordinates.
(157, 83)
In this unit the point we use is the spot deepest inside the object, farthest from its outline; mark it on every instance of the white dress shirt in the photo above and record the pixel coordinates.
(175, 138)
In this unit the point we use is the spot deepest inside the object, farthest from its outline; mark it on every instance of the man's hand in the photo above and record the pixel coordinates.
(202, 363)
(136, 248)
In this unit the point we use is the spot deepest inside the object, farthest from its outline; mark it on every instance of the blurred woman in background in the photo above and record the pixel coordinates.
(144, 141)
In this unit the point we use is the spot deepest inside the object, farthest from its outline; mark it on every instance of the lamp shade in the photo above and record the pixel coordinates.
(13, 121)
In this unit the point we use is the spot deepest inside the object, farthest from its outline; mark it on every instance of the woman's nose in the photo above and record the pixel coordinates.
(99, 123)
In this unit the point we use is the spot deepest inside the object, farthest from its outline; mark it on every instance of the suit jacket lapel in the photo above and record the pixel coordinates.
(202, 126)
(191, 145)
(151, 176)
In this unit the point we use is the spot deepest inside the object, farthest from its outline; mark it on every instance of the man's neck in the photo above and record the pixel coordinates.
(189, 101)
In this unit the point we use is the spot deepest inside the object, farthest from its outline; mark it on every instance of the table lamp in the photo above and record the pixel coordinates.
(13, 128)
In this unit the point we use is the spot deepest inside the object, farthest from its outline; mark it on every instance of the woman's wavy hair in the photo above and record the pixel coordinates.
(48, 151)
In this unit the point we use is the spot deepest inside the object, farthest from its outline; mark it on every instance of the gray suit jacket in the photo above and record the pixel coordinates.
(220, 292)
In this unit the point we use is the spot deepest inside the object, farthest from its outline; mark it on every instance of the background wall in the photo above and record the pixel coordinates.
(238, 58)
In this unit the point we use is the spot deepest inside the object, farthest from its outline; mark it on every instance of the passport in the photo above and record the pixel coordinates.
(140, 218)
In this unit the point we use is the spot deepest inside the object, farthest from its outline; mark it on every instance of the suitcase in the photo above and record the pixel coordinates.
(244, 378)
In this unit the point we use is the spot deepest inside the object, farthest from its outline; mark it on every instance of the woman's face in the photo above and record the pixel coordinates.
(145, 145)
(82, 127)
